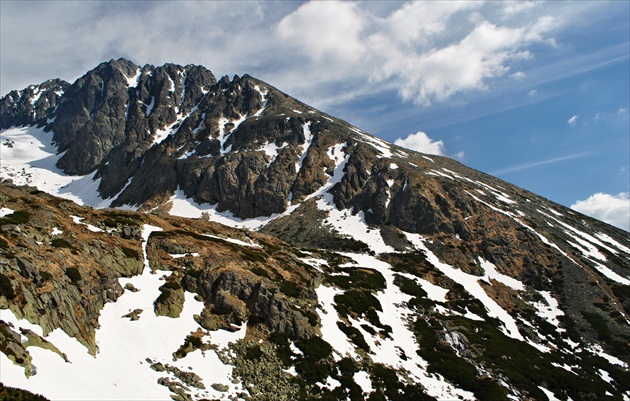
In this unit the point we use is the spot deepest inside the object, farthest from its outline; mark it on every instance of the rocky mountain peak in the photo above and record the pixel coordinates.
(363, 262)
(34, 105)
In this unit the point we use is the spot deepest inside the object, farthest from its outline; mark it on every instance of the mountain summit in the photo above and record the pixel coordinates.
(222, 240)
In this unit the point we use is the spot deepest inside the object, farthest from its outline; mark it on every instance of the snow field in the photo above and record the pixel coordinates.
(120, 369)
(31, 159)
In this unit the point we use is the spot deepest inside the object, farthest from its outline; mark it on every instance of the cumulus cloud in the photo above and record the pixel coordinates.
(325, 31)
(420, 142)
(612, 209)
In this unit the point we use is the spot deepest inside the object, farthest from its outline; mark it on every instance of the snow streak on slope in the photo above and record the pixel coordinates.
(308, 139)
(223, 137)
(399, 350)
(471, 284)
(492, 273)
(263, 94)
(77, 220)
(187, 207)
(589, 246)
(329, 318)
(549, 309)
(120, 369)
(29, 158)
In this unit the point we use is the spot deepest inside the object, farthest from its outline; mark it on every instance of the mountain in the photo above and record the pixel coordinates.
(164, 233)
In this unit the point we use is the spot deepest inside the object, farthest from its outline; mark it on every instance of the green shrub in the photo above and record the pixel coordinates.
(283, 350)
(73, 274)
(45, 275)
(61, 243)
(347, 366)
(253, 352)
(312, 372)
(17, 217)
(261, 272)
(314, 348)
(254, 255)
(289, 289)
(354, 335)
(131, 253)
(15, 394)
(194, 341)
(356, 301)
(196, 273)
(409, 287)
(6, 289)
(171, 285)
(598, 323)
(359, 278)
(311, 316)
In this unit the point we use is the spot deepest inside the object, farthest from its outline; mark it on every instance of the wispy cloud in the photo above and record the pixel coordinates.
(527, 166)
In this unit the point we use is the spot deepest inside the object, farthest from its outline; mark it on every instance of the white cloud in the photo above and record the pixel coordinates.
(325, 31)
(420, 142)
(612, 209)
(573, 120)
(519, 75)
(322, 52)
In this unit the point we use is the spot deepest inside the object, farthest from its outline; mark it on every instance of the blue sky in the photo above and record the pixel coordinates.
(536, 93)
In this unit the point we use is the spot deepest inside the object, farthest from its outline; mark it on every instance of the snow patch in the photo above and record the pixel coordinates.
(223, 137)
(4, 211)
(234, 241)
(271, 150)
(492, 273)
(399, 350)
(132, 82)
(612, 242)
(77, 220)
(549, 309)
(263, 94)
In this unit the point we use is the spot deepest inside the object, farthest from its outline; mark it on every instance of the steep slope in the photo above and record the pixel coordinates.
(422, 277)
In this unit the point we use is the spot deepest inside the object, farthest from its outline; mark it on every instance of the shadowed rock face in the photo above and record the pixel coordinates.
(33, 105)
